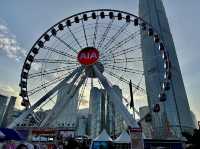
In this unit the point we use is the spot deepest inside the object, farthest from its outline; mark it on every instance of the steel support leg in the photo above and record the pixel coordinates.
(69, 98)
(44, 98)
(137, 140)
(116, 100)
(61, 105)
(54, 112)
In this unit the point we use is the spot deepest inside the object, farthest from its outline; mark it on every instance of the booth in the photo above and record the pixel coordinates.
(123, 141)
(103, 141)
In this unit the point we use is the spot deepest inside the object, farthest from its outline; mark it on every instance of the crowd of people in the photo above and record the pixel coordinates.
(68, 144)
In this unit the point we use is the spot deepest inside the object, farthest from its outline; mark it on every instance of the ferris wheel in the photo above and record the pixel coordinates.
(97, 48)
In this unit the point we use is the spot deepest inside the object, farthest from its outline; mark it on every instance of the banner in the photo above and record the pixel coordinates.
(136, 138)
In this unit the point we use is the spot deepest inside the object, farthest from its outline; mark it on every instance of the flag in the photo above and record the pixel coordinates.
(131, 94)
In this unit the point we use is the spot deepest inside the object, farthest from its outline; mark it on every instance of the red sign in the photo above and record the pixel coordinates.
(135, 129)
(136, 138)
(88, 56)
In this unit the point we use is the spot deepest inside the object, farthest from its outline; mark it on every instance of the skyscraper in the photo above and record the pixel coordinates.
(115, 119)
(3, 101)
(96, 111)
(103, 115)
(175, 111)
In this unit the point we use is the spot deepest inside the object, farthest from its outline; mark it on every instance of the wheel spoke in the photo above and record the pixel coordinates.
(120, 52)
(95, 32)
(115, 36)
(55, 50)
(122, 42)
(83, 25)
(55, 61)
(46, 84)
(105, 34)
(65, 43)
(122, 60)
(51, 71)
(124, 69)
(120, 78)
(73, 35)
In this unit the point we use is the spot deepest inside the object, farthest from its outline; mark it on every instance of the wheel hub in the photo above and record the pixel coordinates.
(88, 57)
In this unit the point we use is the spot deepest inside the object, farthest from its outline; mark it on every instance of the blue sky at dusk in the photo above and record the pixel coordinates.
(23, 21)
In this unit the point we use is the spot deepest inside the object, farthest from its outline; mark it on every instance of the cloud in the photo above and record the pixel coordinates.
(8, 43)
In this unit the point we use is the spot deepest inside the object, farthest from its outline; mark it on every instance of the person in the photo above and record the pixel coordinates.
(22, 146)
(71, 144)
(29, 145)
(3, 146)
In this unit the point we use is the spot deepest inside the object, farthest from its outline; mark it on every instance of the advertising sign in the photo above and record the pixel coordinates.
(88, 56)
(136, 138)
(67, 133)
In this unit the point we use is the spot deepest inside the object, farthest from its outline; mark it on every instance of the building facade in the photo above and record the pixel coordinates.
(10, 111)
(95, 112)
(114, 121)
(3, 105)
(175, 112)
(82, 128)
(102, 113)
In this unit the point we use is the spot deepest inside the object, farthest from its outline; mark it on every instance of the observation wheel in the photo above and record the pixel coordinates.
(97, 48)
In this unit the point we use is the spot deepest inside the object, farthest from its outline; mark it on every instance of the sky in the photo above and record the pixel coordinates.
(23, 21)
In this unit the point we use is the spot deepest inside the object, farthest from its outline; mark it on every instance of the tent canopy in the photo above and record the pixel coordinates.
(9, 134)
(103, 137)
(123, 138)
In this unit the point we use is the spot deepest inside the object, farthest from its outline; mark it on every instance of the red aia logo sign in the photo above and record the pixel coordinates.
(88, 56)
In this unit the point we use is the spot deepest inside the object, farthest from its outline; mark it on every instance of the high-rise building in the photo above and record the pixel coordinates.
(110, 117)
(68, 116)
(82, 128)
(96, 112)
(82, 125)
(115, 121)
(9, 113)
(103, 115)
(3, 101)
(175, 113)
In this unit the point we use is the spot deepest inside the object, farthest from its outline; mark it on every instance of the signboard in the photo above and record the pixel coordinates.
(88, 56)
(67, 133)
(136, 138)
(43, 131)
(136, 133)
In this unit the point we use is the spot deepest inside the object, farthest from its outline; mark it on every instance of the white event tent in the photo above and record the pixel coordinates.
(123, 138)
(102, 141)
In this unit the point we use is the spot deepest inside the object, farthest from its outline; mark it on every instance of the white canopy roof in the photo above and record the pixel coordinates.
(103, 137)
(123, 138)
